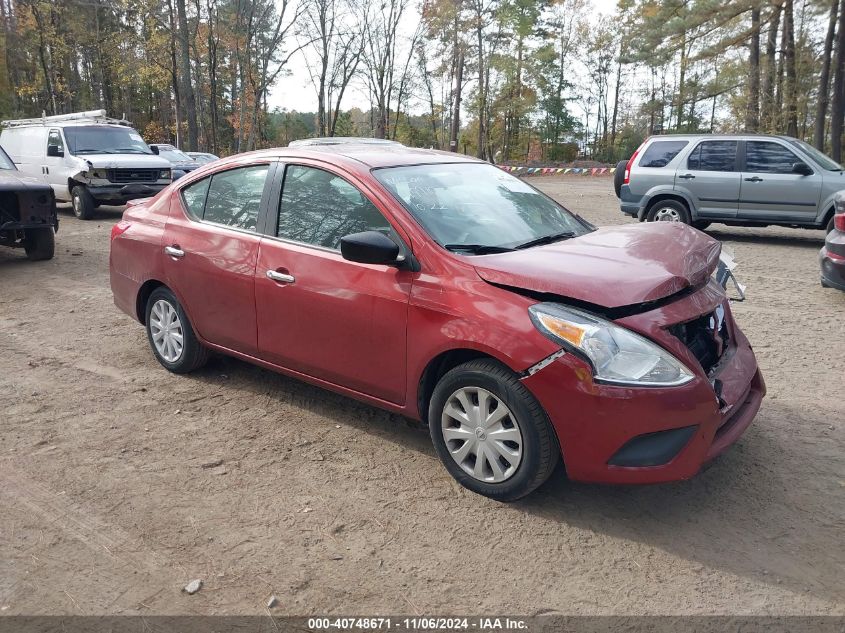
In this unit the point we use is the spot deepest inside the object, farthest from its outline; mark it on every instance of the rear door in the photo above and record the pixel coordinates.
(211, 247)
(319, 314)
(771, 191)
(710, 177)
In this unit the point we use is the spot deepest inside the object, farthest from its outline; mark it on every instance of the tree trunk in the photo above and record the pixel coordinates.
(791, 96)
(824, 79)
(768, 109)
(456, 106)
(837, 106)
(752, 115)
(187, 89)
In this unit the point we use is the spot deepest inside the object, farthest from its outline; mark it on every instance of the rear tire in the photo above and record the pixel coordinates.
(701, 224)
(668, 211)
(40, 244)
(170, 334)
(528, 444)
(83, 202)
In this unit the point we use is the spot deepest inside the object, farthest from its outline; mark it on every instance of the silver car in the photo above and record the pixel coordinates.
(742, 180)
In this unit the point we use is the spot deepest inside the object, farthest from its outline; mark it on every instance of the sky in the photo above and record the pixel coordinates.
(296, 92)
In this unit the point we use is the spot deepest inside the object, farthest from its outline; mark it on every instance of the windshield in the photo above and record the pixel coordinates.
(174, 155)
(819, 157)
(5, 161)
(104, 139)
(477, 208)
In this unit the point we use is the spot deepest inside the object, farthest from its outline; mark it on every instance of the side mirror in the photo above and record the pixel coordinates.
(55, 151)
(154, 149)
(802, 168)
(370, 247)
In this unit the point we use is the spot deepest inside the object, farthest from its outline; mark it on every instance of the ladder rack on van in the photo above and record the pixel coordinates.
(90, 116)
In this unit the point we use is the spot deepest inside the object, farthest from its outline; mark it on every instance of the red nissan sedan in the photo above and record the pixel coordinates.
(442, 288)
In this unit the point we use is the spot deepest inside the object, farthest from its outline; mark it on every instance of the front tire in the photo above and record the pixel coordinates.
(83, 202)
(170, 334)
(40, 244)
(668, 211)
(490, 432)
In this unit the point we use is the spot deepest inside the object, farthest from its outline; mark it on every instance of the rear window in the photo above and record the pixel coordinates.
(661, 153)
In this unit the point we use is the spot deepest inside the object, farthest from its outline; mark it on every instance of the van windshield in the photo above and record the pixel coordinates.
(105, 139)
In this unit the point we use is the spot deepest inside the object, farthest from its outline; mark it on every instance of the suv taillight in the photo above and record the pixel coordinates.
(630, 164)
(839, 222)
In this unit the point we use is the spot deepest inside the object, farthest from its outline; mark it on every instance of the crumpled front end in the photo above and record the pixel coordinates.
(625, 434)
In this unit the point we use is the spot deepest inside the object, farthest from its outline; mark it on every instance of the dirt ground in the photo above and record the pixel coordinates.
(110, 501)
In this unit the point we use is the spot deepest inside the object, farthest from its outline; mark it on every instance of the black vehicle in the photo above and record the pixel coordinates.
(28, 216)
(832, 255)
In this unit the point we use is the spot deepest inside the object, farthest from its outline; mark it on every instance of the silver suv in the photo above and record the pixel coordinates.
(742, 180)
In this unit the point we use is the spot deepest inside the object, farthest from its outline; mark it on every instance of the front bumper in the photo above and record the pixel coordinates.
(120, 194)
(597, 424)
(832, 260)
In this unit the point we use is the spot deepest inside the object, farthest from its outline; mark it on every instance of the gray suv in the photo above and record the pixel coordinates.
(742, 180)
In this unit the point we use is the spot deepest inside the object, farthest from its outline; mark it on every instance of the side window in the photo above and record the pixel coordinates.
(319, 208)
(54, 139)
(768, 157)
(713, 156)
(661, 153)
(194, 197)
(234, 197)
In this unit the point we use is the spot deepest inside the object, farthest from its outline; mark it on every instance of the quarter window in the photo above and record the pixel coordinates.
(319, 208)
(661, 153)
(768, 157)
(229, 198)
(713, 156)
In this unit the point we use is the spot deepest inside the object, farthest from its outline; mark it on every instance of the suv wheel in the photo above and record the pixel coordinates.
(489, 431)
(668, 211)
(83, 203)
(619, 177)
(170, 334)
(39, 243)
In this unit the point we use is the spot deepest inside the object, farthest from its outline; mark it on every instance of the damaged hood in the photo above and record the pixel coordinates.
(124, 161)
(610, 267)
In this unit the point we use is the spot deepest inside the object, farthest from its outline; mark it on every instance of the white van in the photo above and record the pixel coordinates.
(88, 159)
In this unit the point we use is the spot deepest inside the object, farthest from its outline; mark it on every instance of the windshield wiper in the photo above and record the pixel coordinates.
(546, 239)
(91, 150)
(477, 249)
(130, 150)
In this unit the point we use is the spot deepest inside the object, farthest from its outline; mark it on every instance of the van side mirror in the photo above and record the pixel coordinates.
(154, 149)
(802, 168)
(370, 247)
(55, 151)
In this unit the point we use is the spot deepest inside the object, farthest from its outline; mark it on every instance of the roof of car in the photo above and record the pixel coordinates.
(783, 137)
(371, 155)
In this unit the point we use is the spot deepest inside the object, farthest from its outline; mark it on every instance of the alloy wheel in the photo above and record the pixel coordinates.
(481, 435)
(667, 214)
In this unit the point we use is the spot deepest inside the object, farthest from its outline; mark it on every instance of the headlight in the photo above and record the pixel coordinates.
(617, 355)
(165, 173)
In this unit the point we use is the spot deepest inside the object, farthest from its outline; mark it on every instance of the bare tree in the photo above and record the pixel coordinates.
(824, 78)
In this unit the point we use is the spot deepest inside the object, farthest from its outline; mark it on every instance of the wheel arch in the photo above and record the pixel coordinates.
(144, 293)
(437, 367)
(660, 197)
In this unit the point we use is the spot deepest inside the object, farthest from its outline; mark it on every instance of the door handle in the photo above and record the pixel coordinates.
(687, 176)
(754, 179)
(275, 275)
(174, 251)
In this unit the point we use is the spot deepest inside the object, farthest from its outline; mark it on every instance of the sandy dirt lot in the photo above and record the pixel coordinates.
(111, 501)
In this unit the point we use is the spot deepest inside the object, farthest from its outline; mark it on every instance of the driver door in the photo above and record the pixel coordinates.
(319, 314)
